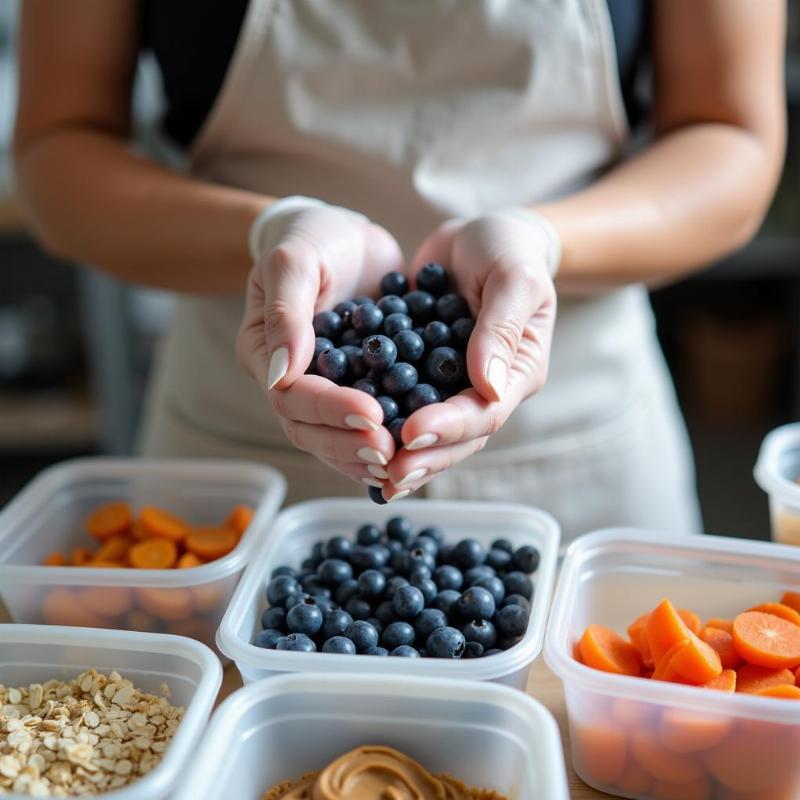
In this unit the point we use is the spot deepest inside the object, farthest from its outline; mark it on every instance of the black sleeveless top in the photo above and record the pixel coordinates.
(193, 42)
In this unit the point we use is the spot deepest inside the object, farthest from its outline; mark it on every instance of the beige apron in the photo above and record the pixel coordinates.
(414, 111)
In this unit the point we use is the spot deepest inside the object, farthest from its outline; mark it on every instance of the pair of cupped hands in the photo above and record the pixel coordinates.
(309, 256)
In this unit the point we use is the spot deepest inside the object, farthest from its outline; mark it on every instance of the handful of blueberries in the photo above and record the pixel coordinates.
(406, 349)
(393, 593)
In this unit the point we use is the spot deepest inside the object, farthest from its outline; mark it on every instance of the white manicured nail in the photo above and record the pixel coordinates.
(378, 472)
(422, 441)
(371, 456)
(278, 366)
(360, 423)
(373, 482)
(497, 376)
(413, 476)
(399, 496)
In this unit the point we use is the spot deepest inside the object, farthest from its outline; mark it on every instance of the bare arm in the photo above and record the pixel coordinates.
(702, 189)
(87, 194)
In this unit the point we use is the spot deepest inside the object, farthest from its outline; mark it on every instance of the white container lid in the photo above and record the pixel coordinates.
(778, 464)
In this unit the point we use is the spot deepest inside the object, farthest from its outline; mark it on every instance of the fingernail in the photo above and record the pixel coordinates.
(371, 456)
(497, 376)
(278, 366)
(360, 423)
(372, 482)
(399, 496)
(378, 472)
(423, 440)
(413, 476)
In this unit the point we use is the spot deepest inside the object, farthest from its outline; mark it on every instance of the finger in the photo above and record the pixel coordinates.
(367, 447)
(437, 247)
(355, 471)
(318, 401)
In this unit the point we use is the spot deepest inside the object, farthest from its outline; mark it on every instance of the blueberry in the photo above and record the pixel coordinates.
(481, 631)
(423, 394)
(421, 306)
(437, 334)
(345, 590)
(367, 319)
(283, 571)
(274, 617)
(359, 608)
(428, 589)
(368, 534)
(399, 529)
(445, 368)
(362, 558)
(318, 552)
(380, 352)
(493, 652)
(304, 618)
(321, 344)
(324, 604)
(280, 588)
(367, 386)
(363, 300)
(472, 650)
(448, 577)
(518, 583)
(334, 571)
(447, 554)
(410, 345)
(476, 603)
(435, 533)
(450, 307)
(419, 556)
(512, 621)
(461, 330)
(309, 565)
(377, 624)
(388, 571)
(392, 304)
(393, 584)
(445, 643)
(394, 283)
(345, 311)
(526, 559)
(405, 651)
(469, 553)
(371, 583)
(419, 330)
(494, 586)
(507, 642)
(474, 574)
(293, 599)
(397, 634)
(267, 638)
(332, 364)
(395, 324)
(399, 379)
(335, 623)
(338, 547)
(389, 407)
(395, 427)
(418, 573)
(351, 337)
(427, 543)
(498, 559)
(447, 601)
(312, 584)
(428, 620)
(376, 495)
(363, 635)
(407, 602)
(356, 368)
(517, 600)
(393, 546)
(377, 651)
(503, 544)
(339, 644)
(327, 324)
(432, 278)
(298, 642)
(385, 613)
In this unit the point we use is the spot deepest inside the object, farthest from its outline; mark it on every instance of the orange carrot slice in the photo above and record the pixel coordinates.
(797, 677)
(699, 789)
(691, 619)
(726, 682)
(189, 560)
(766, 640)
(637, 632)
(635, 780)
(722, 624)
(97, 564)
(696, 662)
(138, 620)
(153, 554)
(631, 713)
(108, 601)
(791, 599)
(171, 605)
(111, 519)
(661, 762)
(162, 524)
(779, 610)
(722, 642)
(55, 559)
(786, 692)
(603, 649)
(61, 607)
(211, 543)
(663, 670)
(114, 549)
(750, 679)
(665, 628)
(81, 556)
(599, 752)
(688, 732)
(240, 517)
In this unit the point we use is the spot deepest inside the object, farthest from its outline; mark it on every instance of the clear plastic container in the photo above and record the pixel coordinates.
(777, 472)
(49, 514)
(275, 730)
(298, 528)
(650, 740)
(36, 653)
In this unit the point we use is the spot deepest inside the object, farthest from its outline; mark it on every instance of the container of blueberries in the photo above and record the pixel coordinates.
(453, 589)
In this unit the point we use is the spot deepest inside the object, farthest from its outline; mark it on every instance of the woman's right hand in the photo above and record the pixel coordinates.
(310, 257)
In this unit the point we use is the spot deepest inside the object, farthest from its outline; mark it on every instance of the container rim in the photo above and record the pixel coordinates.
(557, 647)
(767, 472)
(525, 652)
(57, 476)
(165, 775)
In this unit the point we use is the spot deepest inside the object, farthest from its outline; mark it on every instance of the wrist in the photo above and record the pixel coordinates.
(545, 233)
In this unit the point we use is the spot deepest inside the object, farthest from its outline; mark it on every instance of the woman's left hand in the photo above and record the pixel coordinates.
(502, 264)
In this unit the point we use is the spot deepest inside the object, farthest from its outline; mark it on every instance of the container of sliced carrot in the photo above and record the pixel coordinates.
(134, 544)
(679, 659)
(777, 472)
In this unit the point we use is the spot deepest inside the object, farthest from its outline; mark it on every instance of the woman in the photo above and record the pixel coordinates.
(350, 135)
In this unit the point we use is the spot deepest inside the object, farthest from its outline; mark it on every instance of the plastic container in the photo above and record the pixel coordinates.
(276, 730)
(49, 514)
(777, 472)
(298, 528)
(36, 653)
(735, 746)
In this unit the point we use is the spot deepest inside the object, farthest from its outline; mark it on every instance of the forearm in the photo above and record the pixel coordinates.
(90, 199)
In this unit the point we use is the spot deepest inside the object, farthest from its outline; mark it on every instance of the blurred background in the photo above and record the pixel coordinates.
(75, 347)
